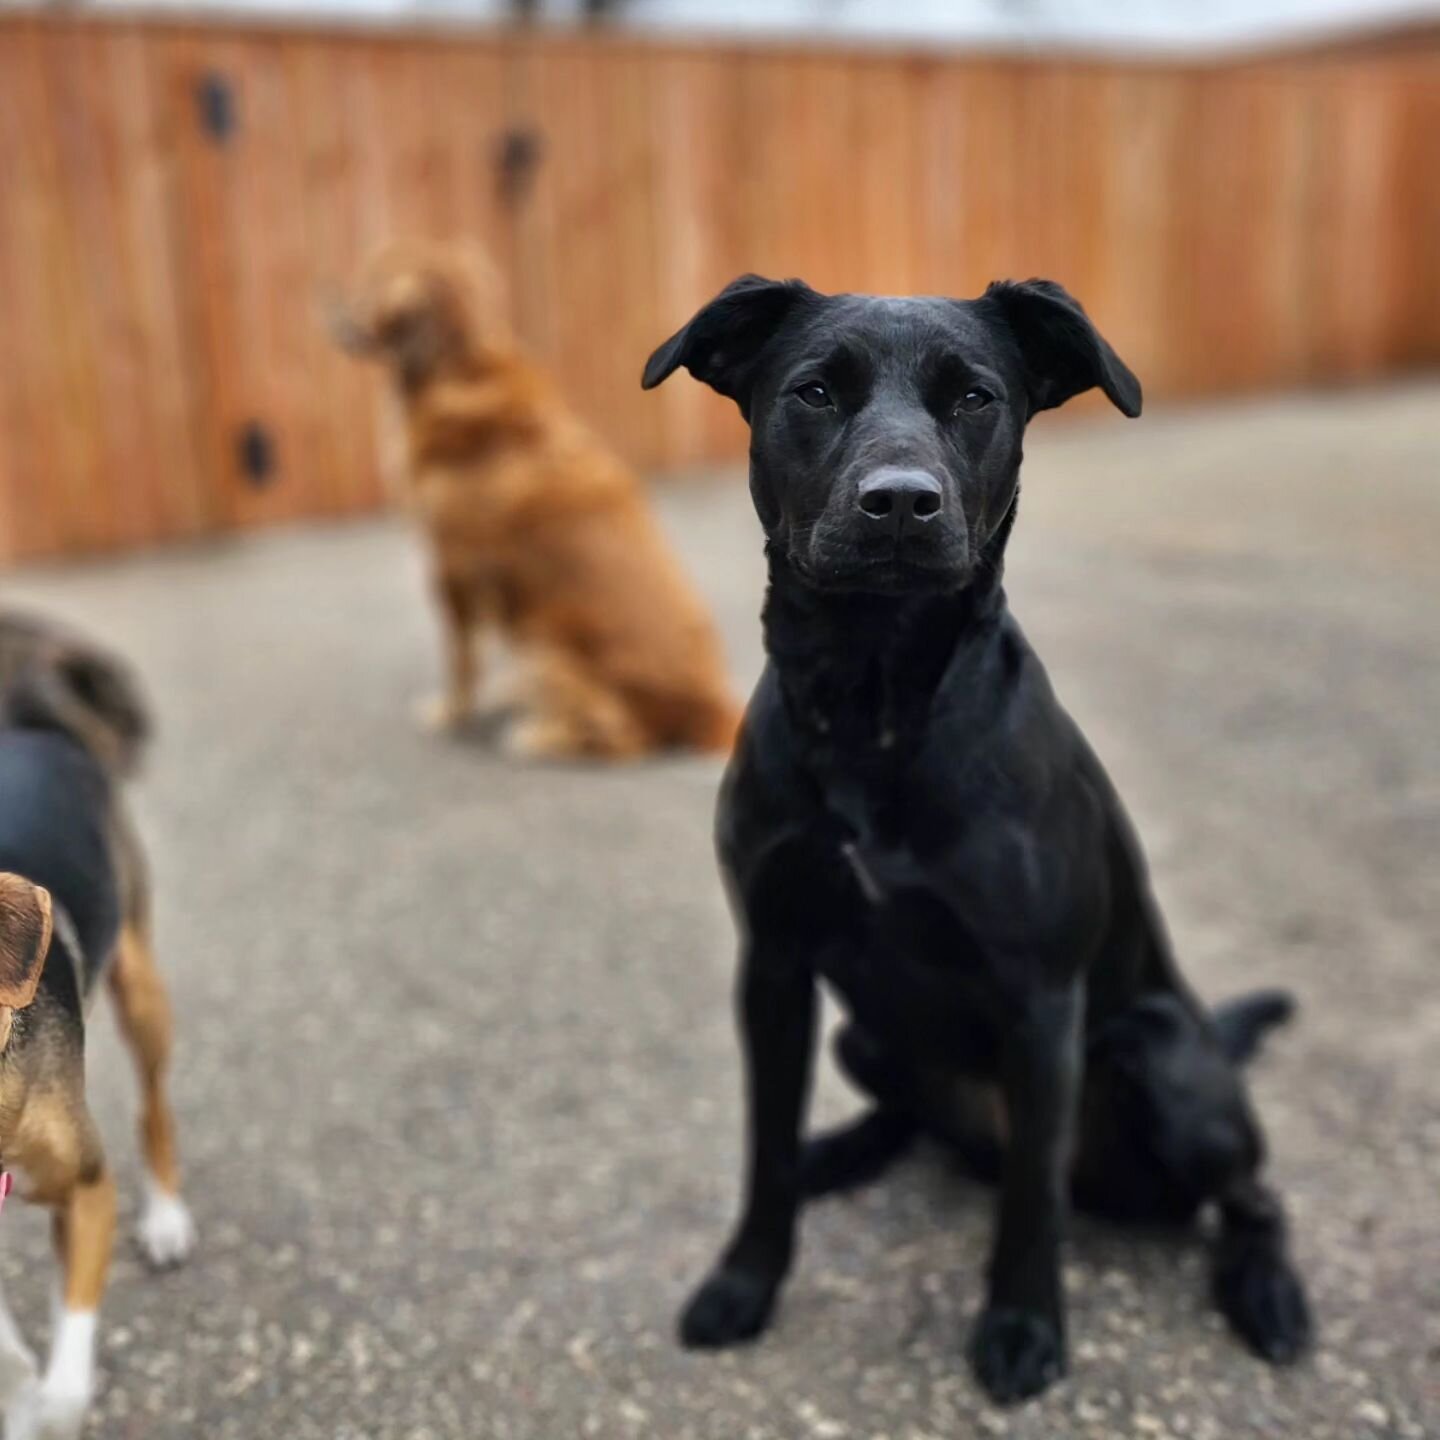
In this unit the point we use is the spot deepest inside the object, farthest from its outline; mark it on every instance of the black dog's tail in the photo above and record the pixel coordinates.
(1241, 1023)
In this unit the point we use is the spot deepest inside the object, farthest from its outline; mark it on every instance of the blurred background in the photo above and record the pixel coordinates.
(458, 1091)
(1245, 193)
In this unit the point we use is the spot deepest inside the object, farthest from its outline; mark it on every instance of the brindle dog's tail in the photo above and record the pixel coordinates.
(67, 684)
(1241, 1023)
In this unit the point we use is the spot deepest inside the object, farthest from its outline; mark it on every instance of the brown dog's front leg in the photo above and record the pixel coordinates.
(1018, 1347)
(777, 1029)
(457, 600)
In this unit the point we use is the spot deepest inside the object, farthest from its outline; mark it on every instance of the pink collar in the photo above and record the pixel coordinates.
(7, 1184)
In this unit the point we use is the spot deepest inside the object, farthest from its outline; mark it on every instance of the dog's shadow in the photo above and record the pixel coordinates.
(933, 1204)
(484, 729)
(953, 1187)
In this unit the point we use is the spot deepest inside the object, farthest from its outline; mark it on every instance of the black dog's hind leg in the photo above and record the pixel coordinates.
(777, 1004)
(862, 1150)
(852, 1155)
(1254, 1281)
(1170, 1131)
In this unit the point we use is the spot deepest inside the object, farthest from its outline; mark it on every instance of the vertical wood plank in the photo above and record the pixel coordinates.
(1234, 227)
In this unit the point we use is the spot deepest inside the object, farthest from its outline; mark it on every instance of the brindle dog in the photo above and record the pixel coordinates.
(74, 906)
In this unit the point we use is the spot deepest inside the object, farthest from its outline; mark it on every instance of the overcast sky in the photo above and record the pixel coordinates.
(1107, 24)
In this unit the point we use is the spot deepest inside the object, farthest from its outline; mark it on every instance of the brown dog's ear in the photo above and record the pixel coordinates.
(411, 325)
(723, 341)
(413, 318)
(24, 939)
(1064, 353)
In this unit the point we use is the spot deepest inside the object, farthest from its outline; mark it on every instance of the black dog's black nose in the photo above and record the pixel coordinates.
(901, 500)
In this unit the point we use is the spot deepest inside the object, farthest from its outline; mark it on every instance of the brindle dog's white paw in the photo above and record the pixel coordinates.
(47, 1410)
(166, 1231)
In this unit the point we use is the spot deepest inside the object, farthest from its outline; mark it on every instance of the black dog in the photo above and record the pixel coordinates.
(912, 816)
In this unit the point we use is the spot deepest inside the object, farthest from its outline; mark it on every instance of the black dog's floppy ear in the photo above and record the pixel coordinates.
(1064, 353)
(24, 939)
(722, 342)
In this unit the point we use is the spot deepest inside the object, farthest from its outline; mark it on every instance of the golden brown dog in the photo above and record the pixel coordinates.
(535, 528)
(74, 908)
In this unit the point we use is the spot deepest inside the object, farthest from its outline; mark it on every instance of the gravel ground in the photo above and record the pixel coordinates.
(457, 1083)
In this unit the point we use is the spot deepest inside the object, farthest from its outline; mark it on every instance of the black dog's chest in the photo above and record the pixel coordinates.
(872, 824)
(908, 965)
(914, 977)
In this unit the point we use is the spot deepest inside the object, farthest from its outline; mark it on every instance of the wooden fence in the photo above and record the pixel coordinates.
(173, 199)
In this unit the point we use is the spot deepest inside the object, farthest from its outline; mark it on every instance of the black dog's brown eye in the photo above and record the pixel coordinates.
(817, 397)
(972, 400)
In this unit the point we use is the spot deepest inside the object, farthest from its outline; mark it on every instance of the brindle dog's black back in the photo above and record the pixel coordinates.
(55, 830)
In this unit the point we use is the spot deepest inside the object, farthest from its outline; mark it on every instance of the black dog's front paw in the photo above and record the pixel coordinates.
(1262, 1297)
(731, 1306)
(1016, 1354)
